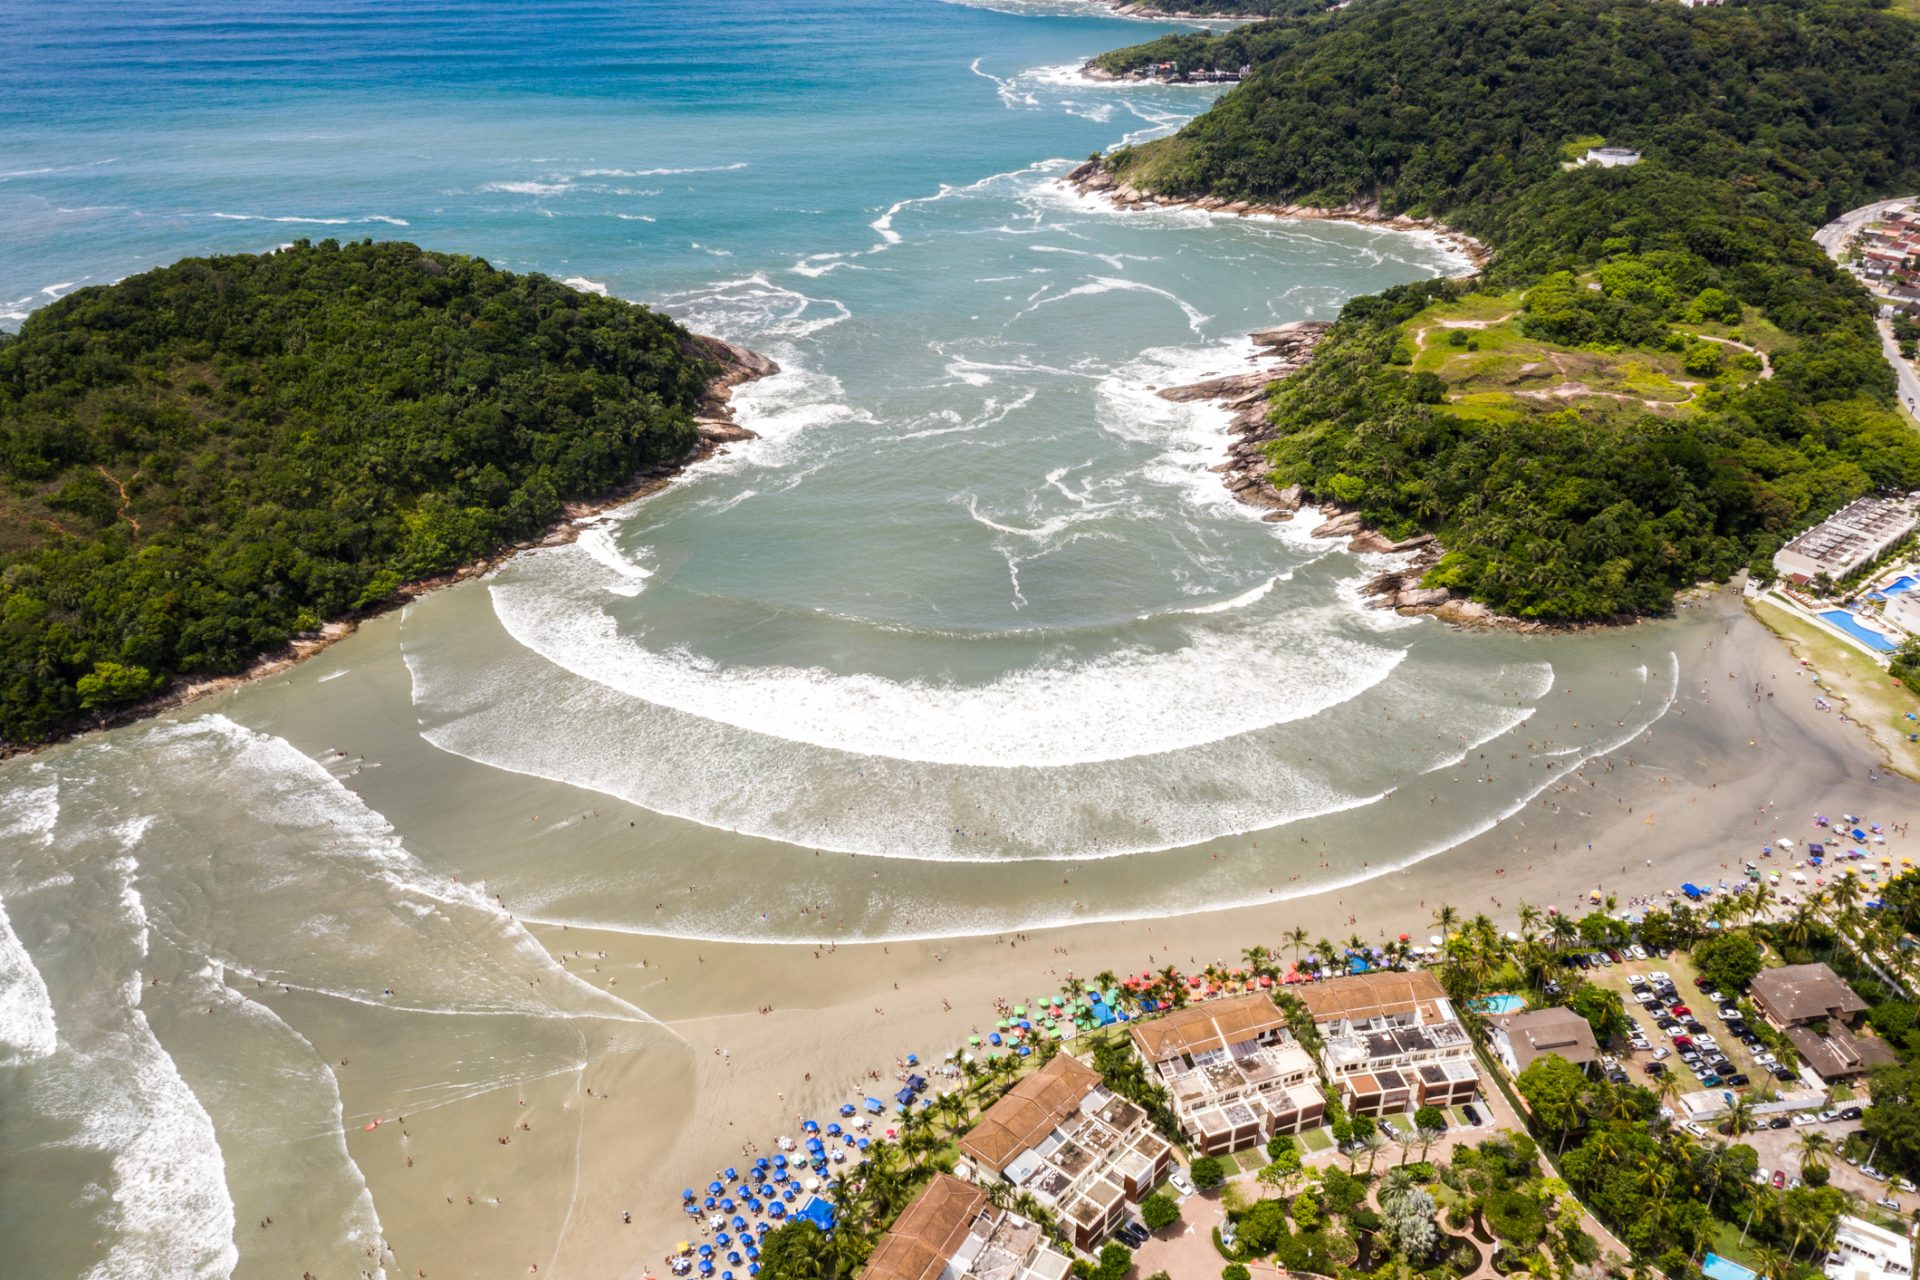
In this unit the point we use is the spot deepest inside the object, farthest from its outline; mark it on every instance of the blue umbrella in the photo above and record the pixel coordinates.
(693, 1210)
(846, 1108)
(776, 1210)
(732, 1176)
(726, 1206)
(711, 1202)
(780, 1162)
(1025, 1050)
(753, 1254)
(810, 1126)
(734, 1257)
(753, 1268)
(706, 1268)
(833, 1130)
(722, 1239)
(715, 1188)
(862, 1144)
(706, 1250)
(761, 1163)
(912, 1061)
(687, 1194)
(739, 1224)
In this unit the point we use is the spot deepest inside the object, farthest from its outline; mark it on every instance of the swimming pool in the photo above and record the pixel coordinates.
(1905, 582)
(1841, 620)
(1502, 1003)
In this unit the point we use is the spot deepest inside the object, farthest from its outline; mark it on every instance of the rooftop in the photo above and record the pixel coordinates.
(1805, 993)
(1030, 1110)
(1217, 1024)
(1538, 1032)
(1367, 996)
(928, 1233)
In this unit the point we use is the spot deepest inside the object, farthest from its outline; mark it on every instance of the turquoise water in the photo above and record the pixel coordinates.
(973, 606)
(1499, 1004)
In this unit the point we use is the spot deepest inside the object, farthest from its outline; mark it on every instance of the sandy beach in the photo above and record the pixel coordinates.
(1724, 772)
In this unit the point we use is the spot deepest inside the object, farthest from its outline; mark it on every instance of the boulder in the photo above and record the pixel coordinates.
(1340, 526)
(1422, 598)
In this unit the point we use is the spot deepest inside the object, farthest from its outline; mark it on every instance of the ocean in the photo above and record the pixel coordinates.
(970, 638)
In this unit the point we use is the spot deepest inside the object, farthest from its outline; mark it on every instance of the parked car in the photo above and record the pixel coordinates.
(1136, 1235)
(1639, 952)
(1761, 1176)
(1779, 1179)
(1873, 1173)
(1782, 1074)
(1655, 1069)
(1701, 983)
(1709, 1079)
(1662, 1053)
(1471, 1112)
(1181, 1183)
(1888, 1202)
(1804, 1118)
(1778, 1122)
(1851, 1113)
(1738, 1079)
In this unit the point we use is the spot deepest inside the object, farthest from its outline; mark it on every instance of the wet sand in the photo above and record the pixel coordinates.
(1692, 797)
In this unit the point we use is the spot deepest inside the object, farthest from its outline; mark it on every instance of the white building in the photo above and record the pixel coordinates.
(1392, 1042)
(1234, 1072)
(951, 1233)
(1611, 157)
(1856, 534)
(1862, 1251)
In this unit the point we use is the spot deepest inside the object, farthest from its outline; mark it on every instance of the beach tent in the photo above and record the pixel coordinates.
(876, 1106)
(819, 1212)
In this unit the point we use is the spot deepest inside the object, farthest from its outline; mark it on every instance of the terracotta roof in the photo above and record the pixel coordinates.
(1029, 1111)
(928, 1232)
(1213, 1025)
(1538, 1032)
(1840, 1054)
(1372, 995)
(1805, 993)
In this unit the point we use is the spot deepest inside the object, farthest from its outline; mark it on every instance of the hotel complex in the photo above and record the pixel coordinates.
(1234, 1071)
(1392, 1042)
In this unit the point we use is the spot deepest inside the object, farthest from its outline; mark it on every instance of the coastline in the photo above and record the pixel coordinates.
(1290, 347)
(715, 429)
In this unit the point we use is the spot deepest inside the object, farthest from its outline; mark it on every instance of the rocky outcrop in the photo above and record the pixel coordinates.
(1093, 178)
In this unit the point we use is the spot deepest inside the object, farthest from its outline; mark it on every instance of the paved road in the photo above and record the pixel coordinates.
(1833, 238)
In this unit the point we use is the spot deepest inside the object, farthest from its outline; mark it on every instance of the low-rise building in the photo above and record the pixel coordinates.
(1840, 1054)
(1862, 1251)
(1611, 157)
(1234, 1071)
(1519, 1038)
(1857, 534)
(1392, 1042)
(1796, 995)
(1080, 1149)
(950, 1232)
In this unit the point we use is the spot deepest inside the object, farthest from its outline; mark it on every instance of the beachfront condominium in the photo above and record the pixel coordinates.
(1815, 1009)
(1392, 1042)
(1862, 1251)
(950, 1232)
(1521, 1039)
(1234, 1072)
(1858, 533)
(1081, 1150)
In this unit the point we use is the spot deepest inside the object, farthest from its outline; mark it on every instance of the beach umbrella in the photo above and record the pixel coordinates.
(779, 1162)
(973, 1040)
(706, 1268)
(706, 1251)
(762, 1163)
(711, 1202)
(846, 1108)
(734, 1257)
(1025, 1050)
(682, 1247)
(726, 1206)
(753, 1255)
(714, 1188)
(776, 1210)
(739, 1224)
(688, 1194)
(732, 1176)
(809, 1126)
(863, 1144)
(722, 1239)
(833, 1130)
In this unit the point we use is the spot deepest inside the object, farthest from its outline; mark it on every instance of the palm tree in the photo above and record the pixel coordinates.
(1296, 938)
(1106, 980)
(1770, 1262)
(1740, 1117)
(1815, 1148)
(1563, 931)
(1446, 919)
(1375, 1141)
(1257, 959)
(1529, 919)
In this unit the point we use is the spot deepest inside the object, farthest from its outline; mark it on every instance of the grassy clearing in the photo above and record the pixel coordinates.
(1855, 683)
(1495, 373)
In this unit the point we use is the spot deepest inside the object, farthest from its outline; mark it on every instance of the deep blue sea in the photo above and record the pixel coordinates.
(973, 615)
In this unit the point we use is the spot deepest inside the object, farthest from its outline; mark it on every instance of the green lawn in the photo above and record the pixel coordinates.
(1853, 682)
(1320, 1139)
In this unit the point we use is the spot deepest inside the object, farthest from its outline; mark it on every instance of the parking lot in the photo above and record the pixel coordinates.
(1703, 1047)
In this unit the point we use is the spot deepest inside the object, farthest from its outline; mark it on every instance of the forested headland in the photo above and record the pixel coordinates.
(1660, 376)
(202, 461)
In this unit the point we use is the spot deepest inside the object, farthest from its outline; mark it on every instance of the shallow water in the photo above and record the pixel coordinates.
(969, 639)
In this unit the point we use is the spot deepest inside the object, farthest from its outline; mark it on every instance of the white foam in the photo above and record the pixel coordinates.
(1196, 320)
(530, 188)
(658, 173)
(27, 1030)
(1127, 703)
(318, 222)
(585, 285)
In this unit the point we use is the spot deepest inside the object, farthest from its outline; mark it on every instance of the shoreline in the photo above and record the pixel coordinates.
(1290, 347)
(715, 429)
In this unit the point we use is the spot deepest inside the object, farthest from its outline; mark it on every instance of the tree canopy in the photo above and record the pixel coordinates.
(1756, 122)
(204, 460)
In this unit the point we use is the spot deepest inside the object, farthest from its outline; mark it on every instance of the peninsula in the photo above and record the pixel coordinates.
(1659, 377)
(203, 462)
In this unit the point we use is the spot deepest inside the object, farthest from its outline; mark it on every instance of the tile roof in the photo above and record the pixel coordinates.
(928, 1232)
(1217, 1024)
(1029, 1111)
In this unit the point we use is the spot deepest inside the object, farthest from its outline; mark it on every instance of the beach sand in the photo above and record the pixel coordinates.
(1720, 775)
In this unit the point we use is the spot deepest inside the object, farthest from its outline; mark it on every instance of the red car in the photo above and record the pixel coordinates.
(1681, 1011)
(1701, 983)
(1779, 1179)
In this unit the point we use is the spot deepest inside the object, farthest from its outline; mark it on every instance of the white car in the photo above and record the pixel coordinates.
(1181, 1183)
(1903, 1184)
(1804, 1118)
(1831, 1113)
(1873, 1173)
(1660, 975)
(1888, 1202)
(1761, 1177)
(1639, 952)
(1662, 1054)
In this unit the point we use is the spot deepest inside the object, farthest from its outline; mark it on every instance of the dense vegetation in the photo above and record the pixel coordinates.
(202, 461)
(1757, 122)
(1230, 8)
(1227, 50)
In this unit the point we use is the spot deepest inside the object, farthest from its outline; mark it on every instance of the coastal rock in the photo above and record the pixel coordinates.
(1367, 540)
(1410, 544)
(1236, 390)
(1466, 613)
(1340, 526)
(1422, 598)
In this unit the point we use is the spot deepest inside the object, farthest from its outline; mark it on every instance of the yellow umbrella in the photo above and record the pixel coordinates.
(683, 1247)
